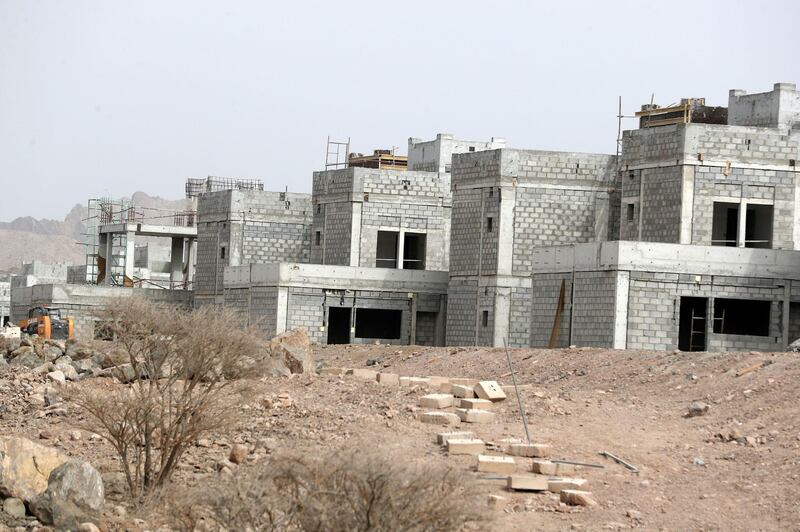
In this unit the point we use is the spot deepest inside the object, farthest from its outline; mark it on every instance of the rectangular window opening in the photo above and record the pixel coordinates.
(339, 325)
(472, 148)
(317, 238)
(489, 224)
(741, 316)
(386, 249)
(414, 248)
(758, 227)
(631, 212)
(382, 324)
(485, 318)
(725, 224)
(222, 252)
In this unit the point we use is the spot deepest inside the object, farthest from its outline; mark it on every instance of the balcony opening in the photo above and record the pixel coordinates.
(758, 227)
(414, 247)
(725, 224)
(386, 249)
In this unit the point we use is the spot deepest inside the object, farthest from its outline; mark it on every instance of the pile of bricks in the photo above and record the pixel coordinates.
(454, 401)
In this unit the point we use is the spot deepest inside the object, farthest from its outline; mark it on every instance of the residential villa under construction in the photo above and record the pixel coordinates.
(688, 238)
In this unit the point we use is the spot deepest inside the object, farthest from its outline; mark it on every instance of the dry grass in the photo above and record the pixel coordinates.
(344, 491)
(192, 368)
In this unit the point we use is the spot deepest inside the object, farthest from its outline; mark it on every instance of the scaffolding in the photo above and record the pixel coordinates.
(105, 211)
(336, 154)
(197, 186)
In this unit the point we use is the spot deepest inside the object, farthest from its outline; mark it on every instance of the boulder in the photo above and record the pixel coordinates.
(78, 351)
(9, 345)
(85, 365)
(51, 353)
(294, 348)
(25, 467)
(795, 346)
(14, 507)
(26, 358)
(68, 371)
(57, 376)
(74, 495)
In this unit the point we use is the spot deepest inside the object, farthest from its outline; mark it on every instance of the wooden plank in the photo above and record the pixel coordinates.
(557, 320)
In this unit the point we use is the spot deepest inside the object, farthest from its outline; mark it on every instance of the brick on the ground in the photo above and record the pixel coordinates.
(466, 446)
(531, 450)
(504, 465)
(527, 482)
(414, 381)
(446, 387)
(435, 381)
(391, 379)
(442, 437)
(477, 404)
(439, 418)
(577, 498)
(546, 467)
(436, 400)
(490, 390)
(475, 416)
(463, 391)
(559, 484)
(364, 374)
(496, 501)
(464, 382)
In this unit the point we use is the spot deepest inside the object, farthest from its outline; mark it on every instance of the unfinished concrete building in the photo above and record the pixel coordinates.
(507, 203)
(247, 226)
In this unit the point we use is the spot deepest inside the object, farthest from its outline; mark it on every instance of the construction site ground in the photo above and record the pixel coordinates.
(736, 467)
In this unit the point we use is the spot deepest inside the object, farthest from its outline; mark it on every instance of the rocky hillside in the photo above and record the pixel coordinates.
(27, 238)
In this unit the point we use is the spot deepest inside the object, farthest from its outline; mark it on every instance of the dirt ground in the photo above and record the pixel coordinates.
(580, 401)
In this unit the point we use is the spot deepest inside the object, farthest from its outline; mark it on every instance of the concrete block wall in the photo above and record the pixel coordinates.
(436, 155)
(661, 189)
(593, 308)
(254, 227)
(351, 205)
(461, 311)
(777, 108)
(544, 304)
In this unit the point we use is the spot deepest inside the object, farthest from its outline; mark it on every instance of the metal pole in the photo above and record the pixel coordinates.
(516, 389)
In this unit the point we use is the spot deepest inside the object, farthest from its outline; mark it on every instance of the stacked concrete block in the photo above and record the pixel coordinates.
(504, 465)
(439, 418)
(437, 400)
(443, 437)
(465, 446)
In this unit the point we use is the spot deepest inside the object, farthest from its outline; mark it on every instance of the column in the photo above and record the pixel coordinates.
(176, 262)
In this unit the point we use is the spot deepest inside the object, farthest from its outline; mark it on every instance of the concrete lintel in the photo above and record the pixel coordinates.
(673, 258)
(150, 230)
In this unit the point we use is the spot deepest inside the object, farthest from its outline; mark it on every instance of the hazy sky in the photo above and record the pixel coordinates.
(109, 97)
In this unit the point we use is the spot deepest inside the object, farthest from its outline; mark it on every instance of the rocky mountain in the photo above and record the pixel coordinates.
(27, 238)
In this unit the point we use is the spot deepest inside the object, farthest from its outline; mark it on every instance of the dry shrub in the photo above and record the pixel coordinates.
(191, 368)
(350, 491)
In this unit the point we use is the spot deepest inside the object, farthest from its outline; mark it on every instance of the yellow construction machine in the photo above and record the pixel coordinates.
(48, 324)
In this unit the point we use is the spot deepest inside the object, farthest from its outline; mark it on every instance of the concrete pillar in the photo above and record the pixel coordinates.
(109, 247)
(191, 257)
(355, 235)
(742, 222)
(282, 311)
(505, 229)
(786, 307)
(401, 236)
(130, 247)
(176, 262)
(502, 315)
(687, 204)
(621, 310)
(441, 322)
(413, 333)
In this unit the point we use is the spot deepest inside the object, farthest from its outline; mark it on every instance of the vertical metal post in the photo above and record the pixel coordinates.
(516, 389)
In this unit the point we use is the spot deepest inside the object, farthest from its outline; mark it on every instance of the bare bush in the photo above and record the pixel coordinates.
(188, 371)
(353, 491)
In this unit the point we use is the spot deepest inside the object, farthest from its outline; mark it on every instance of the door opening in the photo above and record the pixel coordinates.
(339, 325)
(692, 327)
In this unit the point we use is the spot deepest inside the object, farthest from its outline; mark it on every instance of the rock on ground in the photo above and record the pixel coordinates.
(25, 467)
(74, 495)
(294, 348)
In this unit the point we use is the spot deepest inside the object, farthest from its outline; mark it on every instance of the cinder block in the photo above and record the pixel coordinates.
(527, 482)
(335, 372)
(478, 404)
(475, 416)
(464, 382)
(440, 418)
(546, 467)
(436, 382)
(392, 379)
(363, 374)
(436, 400)
(413, 381)
(490, 390)
(460, 390)
(504, 465)
(472, 446)
(442, 437)
(535, 450)
(446, 387)
(577, 498)
(557, 485)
